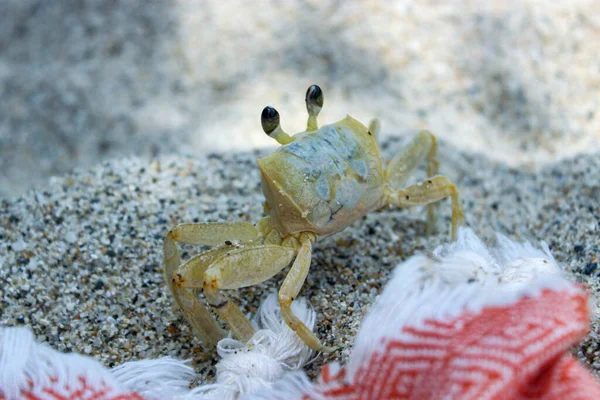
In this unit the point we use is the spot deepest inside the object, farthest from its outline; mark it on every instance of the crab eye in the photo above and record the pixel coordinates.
(269, 120)
(314, 96)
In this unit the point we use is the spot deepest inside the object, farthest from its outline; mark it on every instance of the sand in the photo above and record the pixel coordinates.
(81, 257)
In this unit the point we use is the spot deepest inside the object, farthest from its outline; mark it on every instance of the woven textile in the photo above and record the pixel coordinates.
(518, 351)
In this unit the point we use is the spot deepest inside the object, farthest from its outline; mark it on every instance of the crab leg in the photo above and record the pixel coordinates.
(240, 268)
(430, 191)
(195, 312)
(214, 233)
(401, 167)
(291, 287)
(191, 273)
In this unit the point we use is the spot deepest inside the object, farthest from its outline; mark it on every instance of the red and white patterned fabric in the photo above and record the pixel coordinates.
(464, 322)
(33, 371)
(56, 390)
(470, 322)
(518, 351)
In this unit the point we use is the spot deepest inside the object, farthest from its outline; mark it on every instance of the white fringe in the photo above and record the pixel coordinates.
(23, 360)
(161, 378)
(273, 350)
(244, 368)
(293, 385)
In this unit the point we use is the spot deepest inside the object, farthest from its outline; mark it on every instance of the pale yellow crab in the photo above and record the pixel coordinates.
(316, 184)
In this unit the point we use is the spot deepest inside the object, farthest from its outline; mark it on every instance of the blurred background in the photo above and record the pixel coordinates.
(85, 81)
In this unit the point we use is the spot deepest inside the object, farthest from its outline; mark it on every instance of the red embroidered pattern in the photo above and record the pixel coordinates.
(81, 391)
(511, 352)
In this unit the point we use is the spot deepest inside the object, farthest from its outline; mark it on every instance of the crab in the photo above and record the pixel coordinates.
(316, 184)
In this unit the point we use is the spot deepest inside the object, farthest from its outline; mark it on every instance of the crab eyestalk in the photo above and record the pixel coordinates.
(270, 124)
(314, 103)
